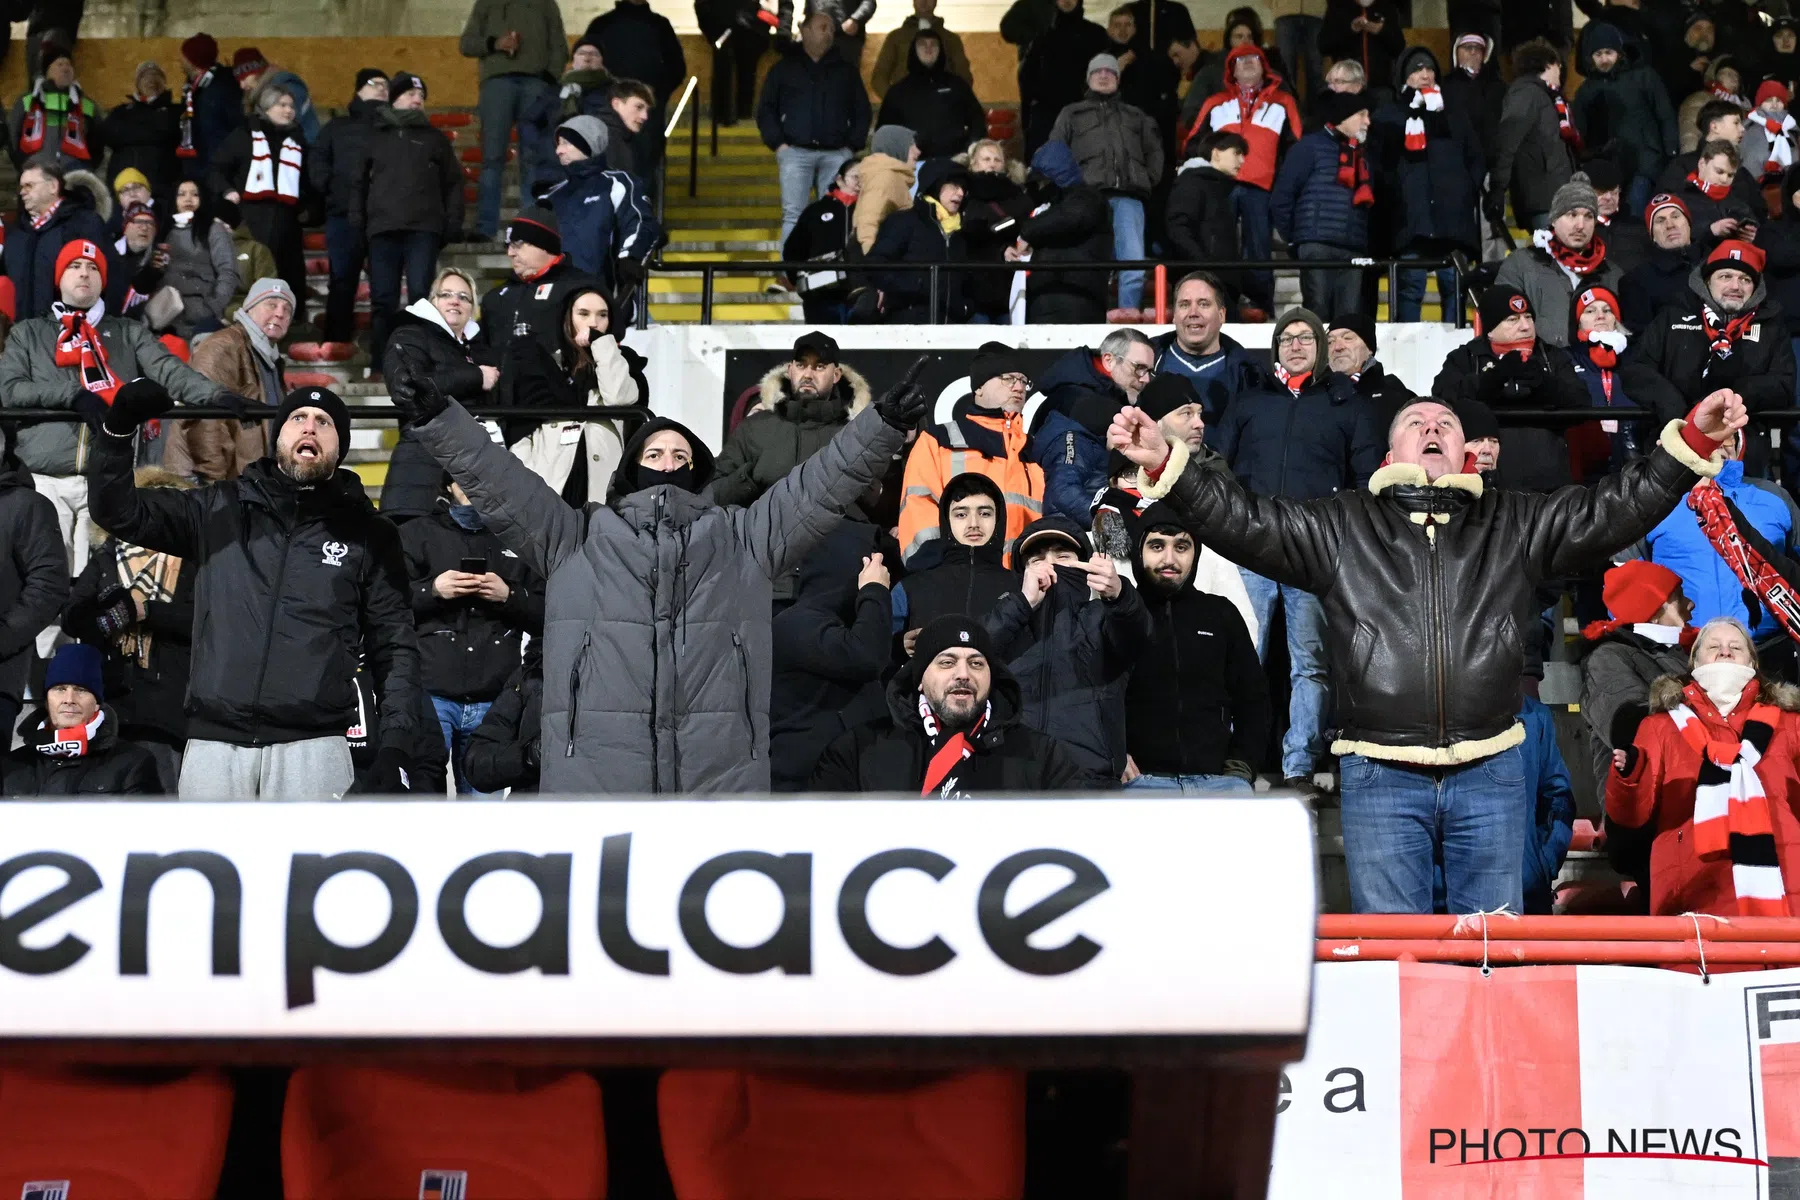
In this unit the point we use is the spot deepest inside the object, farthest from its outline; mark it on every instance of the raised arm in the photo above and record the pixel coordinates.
(163, 519)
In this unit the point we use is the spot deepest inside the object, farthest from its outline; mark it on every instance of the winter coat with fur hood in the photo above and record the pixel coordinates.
(782, 431)
(31, 253)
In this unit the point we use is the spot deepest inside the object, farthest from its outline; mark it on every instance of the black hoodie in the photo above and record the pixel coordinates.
(1198, 699)
(625, 480)
(937, 105)
(961, 579)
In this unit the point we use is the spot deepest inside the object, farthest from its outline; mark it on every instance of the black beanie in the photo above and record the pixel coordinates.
(991, 360)
(326, 401)
(948, 633)
(1361, 325)
(1500, 302)
(367, 76)
(536, 227)
(1478, 420)
(1166, 393)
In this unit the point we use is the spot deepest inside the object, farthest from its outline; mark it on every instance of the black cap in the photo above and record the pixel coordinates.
(536, 227)
(367, 76)
(821, 346)
(1500, 302)
(1362, 325)
(1048, 529)
(991, 360)
(950, 633)
(1337, 107)
(1166, 393)
(402, 82)
(1603, 174)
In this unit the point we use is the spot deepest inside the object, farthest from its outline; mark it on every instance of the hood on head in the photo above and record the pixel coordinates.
(1408, 62)
(963, 486)
(1601, 35)
(1160, 515)
(1718, 63)
(563, 339)
(624, 480)
(99, 196)
(1247, 50)
(1697, 285)
(1056, 162)
(916, 66)
(933, 175)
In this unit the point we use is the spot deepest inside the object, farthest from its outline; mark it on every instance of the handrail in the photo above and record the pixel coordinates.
(1504, 939)
(372, 412)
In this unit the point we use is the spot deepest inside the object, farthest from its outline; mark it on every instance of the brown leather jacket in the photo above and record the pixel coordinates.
(218, 450)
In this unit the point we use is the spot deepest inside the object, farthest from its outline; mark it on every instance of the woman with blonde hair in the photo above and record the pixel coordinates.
(435, 336)
(1710, 781)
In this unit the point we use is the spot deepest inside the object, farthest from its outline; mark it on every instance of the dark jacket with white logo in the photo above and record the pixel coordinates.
(529, 309)
(294, 586)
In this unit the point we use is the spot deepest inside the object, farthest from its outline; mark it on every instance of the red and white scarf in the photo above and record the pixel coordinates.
(1577, 264)
(1731, 810)
(273, 175)
(71, 743)
(187, 149)
(1295, 380)
(1779, 130)
(1424, 100)
(1725, 93)
(78, 345)
(1564, 126)
(1722, 338)
(1762, 580)
(955, 748)
(43, 218)
(34, 124)
(1712, 191)
(1353, 170)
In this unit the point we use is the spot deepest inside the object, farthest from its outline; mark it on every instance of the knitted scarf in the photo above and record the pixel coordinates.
(152, 574)
(1578, 263)
(1712, 191)
(1570, 135)
(1779, 127)
(1724, 93)
(1418, 104)
(1774, 593)
(1295, 380)
(78, 345)
(33, 126)
(1522, 349)
(71, 743)
(1731, 810)
(1604, 348)
(1723, 337)
(43, 218)
(186, 148)
(949, 752)
(273, 174)
(1353, 170)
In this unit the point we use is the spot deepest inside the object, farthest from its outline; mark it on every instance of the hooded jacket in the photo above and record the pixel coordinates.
(1070, 226)
(1071, 654)
(31, 253)
(948, 578)
(988, 441)
(782, 431)
(1271, 125)
(1434, 194)
(295, 586)
(1530, 159)
(1198, 697)
(916, 235)
(1118, 145)
(1623, 114)
(891, 756)
(895, 59)
(1325, 440)
(143, 134)
(503, 752)
(604, 217)
(1202, 225)
(656, 627)
(936, 103)
(1533, 458)
(111, 766)
(335, 165)
(1427, 589)
(422, 337)
(34, 571)
(409, 180)
(993, 206)
(887, 188)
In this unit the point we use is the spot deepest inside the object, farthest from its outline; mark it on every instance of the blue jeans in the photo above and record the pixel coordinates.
(1411, 302)
(803, 172)
(1400, 821)
(459, 719)
(1304, 743)
(391, 255)
(344, 251)
(505, 102)
(1251, 207)
(1128, 243)
(1189, 784)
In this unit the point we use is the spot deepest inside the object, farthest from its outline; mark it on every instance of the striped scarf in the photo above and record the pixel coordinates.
(153, 575)
(1779, 131)
(948, 755)
(1422, 101)
(70, 743)
(1731, 811)
(1570, 135)
(1758, 576)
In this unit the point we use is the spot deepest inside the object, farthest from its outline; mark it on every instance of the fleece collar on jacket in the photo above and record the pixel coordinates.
(775, 390)
(425, 310)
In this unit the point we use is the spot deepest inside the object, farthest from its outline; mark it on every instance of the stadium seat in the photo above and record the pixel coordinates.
(736, 1135)
(455, 1133)
(315, 352)
(112, 1135)
(451, 120)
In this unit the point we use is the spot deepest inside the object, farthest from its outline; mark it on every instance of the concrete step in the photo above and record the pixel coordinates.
(694, 252)
(668, 286)
(730, 314)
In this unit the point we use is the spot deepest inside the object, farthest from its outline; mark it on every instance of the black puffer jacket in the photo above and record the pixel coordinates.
(938, 106)
(1425, 621)
(948, 578)
(143, 134)
(420, 337)
(1325, 439)
(1071, 655)
(294, 586)
(1661, 280)
(891, 756)
(111, 767)
(503, 750)
(34, 571)
(468, 647)
(334, 165)
(1535, 458)
(1074, 229)
(409, 181)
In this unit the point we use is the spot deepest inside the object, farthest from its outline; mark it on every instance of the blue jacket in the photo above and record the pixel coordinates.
(31, 253)
(1709, 582)
(1309, 204)
(1552, 815)
(218, 109)
(813, 105)
(1074, 463)
(1303, 447)
(1219, 383)
(603, 218)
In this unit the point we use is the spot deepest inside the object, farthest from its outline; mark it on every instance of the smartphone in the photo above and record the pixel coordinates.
(474, 566)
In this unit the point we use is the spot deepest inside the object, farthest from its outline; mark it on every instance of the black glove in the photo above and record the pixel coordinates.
(94, 411)
(138, 401)
(905, 404)
(413, 391)
(236, 405)
(530, 755)
(631, 274)
(1493, 206)
(390, 774)
(1490, 387)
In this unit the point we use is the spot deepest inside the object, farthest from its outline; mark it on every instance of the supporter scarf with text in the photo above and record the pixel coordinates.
(948, 754)
(79, 345)
(1424, 116)
(1731, 810)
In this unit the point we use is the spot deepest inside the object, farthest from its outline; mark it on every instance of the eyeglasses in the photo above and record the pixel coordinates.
(459, 297)
(1139, 370)
(1015, 380)
(1296, 339)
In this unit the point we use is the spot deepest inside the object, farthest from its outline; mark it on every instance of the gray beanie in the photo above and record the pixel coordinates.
(892, 140)
(585, 133)
(1301, 316)
(1103, 62)
(1577, 193)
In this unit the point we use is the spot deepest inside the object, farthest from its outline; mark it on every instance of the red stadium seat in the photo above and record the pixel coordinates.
(451, 120)
(113, 1135)
(736, 1135)
(459, 1133)
(314, 239)
(300, 379)
(322, 351)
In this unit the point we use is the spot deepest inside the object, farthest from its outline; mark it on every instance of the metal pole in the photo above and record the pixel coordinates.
(1393, 274)
(932, 308)
(706, 293)
(694, 149)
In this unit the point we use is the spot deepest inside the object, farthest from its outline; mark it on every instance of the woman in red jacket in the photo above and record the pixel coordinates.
(1726, 833)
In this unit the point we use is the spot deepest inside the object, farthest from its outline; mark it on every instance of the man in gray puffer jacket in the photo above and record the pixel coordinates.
(656, 612)
(1120, 151)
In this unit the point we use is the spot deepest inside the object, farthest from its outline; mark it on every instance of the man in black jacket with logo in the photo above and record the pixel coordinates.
(299, 579)
(470, 623)
(1197, 708)
(953, 729)
(530, 305)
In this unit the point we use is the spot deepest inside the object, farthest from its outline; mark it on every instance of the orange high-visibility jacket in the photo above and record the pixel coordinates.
(986, 441)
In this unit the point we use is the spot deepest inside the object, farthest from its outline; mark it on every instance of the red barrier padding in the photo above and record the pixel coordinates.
(114, 1135)
(354, 1133)
(1607, 929)
(736, 1135)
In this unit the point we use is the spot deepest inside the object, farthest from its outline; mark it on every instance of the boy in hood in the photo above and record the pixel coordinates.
(968, 574)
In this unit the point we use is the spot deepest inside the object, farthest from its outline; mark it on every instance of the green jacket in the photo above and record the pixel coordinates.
(543, 45)
(254, 261)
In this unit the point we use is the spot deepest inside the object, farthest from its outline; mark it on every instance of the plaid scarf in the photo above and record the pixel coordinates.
(1419, 103)
(1723, 337)
(36, 120)
(1712, 191)
(1753, 571)
(1731, 810)
(78, 345)
(1353, 170)
(152, 575)
(70, 743)
(1570, 135)
(951, 751)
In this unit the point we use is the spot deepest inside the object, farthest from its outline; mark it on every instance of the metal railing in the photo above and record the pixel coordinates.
(1160, 269)
(633, 414)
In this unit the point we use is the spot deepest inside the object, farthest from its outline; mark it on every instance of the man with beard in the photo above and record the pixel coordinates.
(802, 406)
(953, 729)
(1197, 708)
(298, 581)
(1562, 261)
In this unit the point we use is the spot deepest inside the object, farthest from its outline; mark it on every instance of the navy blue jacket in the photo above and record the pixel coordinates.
(31, 253)
(813, 105)
(638, 43)
(1309, 204)
(1240, 372)
(1302, 447)
(218, 110)
(603, 218)
(1074, 463)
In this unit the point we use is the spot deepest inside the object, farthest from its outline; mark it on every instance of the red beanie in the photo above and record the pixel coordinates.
(1772, 87)
(1633, 592)
(248, 61)
(1661, 201)
(80, 248)
(1733, 252)
(202, 50)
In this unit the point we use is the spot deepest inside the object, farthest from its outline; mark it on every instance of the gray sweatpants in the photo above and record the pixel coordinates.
(315, 769)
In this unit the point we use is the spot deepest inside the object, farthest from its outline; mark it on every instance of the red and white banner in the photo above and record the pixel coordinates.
(1543, 1083)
